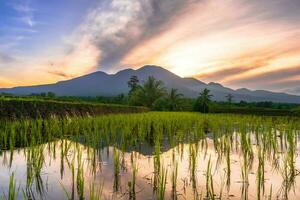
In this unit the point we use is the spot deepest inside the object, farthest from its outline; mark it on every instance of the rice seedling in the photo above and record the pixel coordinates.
(156, 164)
(162, 182)
(193, 165)
(210, 192)
(116, 157)
(260, 177)
(95, 193)
(256, 140)
(13, 190)
(174, 175)
(134, 170)
(80, 176)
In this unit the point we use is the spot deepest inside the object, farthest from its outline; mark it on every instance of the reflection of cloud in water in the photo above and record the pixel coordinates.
(104, 171)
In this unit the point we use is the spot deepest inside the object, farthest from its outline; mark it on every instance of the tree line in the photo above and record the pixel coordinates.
(153, 94)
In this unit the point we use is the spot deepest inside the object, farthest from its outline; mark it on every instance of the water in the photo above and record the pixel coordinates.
(52, 177)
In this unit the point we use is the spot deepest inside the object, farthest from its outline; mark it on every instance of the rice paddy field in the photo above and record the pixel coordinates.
(151, 156)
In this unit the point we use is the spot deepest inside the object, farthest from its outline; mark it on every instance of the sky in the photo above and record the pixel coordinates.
(238, 43)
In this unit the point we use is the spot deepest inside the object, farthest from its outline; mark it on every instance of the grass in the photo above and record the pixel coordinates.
(12, 108)
(257, 111)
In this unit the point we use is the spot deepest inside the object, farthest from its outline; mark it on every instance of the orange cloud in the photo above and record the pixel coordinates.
(226, 47)
(240, 43)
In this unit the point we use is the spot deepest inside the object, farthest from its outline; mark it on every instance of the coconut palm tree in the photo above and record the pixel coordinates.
(149, 92)
(133, 84)
(203, 101)
(174, 100)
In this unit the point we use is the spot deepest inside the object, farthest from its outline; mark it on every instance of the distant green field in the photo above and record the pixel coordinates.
(256, 111)
(15, 108)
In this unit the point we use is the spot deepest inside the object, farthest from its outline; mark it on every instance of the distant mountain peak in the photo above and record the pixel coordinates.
(102, 84)
(153, 67)
(125, 71)
(243, 90)
(215, 84)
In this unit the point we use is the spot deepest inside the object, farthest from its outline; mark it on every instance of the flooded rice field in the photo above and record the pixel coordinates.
(151, 156)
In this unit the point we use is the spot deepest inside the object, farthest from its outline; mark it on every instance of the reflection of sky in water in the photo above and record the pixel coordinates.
(53, 183)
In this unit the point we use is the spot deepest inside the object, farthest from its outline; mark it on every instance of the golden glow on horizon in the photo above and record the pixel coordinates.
(214, 41)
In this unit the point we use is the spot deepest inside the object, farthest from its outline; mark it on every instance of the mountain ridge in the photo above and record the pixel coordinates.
(103, 84)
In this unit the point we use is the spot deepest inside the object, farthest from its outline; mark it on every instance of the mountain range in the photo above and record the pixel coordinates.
(103, 84)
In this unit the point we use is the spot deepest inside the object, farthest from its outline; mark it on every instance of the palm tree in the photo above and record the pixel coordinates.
(203, 101)
(174, 100)
(133, 84)
(149, 92)
(229, 98)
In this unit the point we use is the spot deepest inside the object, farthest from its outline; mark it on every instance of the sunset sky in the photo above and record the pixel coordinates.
(238, 43)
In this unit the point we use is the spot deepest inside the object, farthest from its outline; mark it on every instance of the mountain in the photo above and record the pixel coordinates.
(103, 84)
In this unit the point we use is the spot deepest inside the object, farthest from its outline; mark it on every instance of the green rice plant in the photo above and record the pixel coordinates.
(95, 193)
(270, 193)
(161, 189)
(116, 157)
(156, 164)
(210, 193)
(174, 175)
(80, 176)
(260, 174)
(13, 191)
(193, 165)
(134, 170)
(268, 139)
(35, 162)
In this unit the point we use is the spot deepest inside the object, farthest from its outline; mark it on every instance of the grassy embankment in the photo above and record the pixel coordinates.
(256, 111)
(15, 108)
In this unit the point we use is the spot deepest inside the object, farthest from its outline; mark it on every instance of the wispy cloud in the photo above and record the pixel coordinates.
(59, 73)
(6, 58)
(28, 20)
(26, 12)
(23, 7)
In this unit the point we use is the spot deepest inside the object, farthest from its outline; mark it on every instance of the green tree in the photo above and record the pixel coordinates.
(148, 93)
(229, 98)
(174, 100)
(203, 101)
(51, 94)
(133, 84)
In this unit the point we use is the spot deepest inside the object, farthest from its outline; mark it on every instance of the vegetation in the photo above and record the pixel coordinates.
(229, 98)
(148, 93)
(203, 102)
(173, 101)
(11, 108)
(133, 84)
(151, 94)
(126, 133)
(255, 138)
